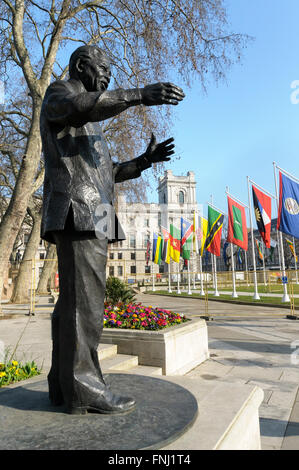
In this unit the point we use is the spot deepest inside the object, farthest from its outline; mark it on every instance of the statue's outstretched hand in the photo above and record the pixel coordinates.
(159, 152)
(161, 93)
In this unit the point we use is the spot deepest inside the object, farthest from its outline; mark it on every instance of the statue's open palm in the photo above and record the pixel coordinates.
(159, 152)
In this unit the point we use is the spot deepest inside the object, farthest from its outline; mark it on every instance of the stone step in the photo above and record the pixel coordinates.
(145, 370)
(106, 350)
(119, 362)
(113, 362)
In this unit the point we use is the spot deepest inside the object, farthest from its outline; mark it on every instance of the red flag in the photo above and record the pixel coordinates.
(237, 226)
(262, 211)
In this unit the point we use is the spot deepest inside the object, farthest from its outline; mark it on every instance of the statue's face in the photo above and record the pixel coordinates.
(95, 72)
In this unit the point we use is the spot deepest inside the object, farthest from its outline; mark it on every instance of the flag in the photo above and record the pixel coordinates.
(157, 249)
(291, 246)
(186, 238)
(148, 246)
(215, 224)
(175, 243)
(262, 211)
(288, 211)
(166, 245)
(237, 226)
(259, 251)
(202, 234)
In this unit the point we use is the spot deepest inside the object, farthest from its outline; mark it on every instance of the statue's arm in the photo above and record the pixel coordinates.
(64, 106)
(131, 169)
(155, 152)
(111, 103)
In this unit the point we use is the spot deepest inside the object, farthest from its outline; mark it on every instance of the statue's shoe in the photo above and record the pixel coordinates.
(107, 403)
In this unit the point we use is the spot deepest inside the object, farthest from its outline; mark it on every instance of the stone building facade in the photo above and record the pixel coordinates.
(176, 198)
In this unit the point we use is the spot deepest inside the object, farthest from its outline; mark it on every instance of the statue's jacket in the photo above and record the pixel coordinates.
(79, 171)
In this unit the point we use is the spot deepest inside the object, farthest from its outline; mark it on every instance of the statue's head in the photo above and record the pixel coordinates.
(91, 66)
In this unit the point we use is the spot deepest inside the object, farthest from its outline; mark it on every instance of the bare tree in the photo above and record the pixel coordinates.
(49, 268)
(22, 286)
(145, 40)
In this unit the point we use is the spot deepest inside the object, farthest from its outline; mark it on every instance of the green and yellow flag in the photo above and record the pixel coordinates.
(202, 234)
(291, 246)
(157, 249)
(215, 224)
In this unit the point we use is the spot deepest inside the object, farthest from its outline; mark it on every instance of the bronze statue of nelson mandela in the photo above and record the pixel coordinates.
(78, 216)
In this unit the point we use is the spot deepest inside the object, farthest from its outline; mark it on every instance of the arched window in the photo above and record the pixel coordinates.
(181, 197)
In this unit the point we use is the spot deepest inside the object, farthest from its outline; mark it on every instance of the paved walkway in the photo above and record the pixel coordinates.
(248, 345)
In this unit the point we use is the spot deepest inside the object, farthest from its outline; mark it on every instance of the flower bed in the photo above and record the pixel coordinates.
(14, 372)
(139, 317)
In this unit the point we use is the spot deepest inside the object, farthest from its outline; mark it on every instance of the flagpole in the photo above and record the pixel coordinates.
(202, 292)
(194, 271)
(212, 258)
(246, 267)
(216, 293)
(234, 293)
(264, 269)
(295, 256)
(169, 280)
(213, 269)
(178, 280)
(189, 286)
(154, 288)
(278, 249)
(285, 297)
(284, 171)
(195, 247)
(256, 294)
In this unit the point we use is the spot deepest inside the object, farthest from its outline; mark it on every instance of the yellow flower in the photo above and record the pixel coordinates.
(14, 363)
(2, 374)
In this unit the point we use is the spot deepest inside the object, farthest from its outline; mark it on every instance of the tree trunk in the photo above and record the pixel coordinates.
(14, 216)
(48, 269)
(23, 284)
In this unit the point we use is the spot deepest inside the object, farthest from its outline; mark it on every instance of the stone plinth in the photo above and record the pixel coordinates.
(176, 349)
(29, 421)
(165, 417)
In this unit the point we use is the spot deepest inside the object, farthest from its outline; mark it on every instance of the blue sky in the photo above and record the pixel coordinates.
(240, 127)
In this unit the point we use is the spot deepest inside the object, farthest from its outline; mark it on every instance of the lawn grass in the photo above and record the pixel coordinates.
(275, 301)
(262, 289)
